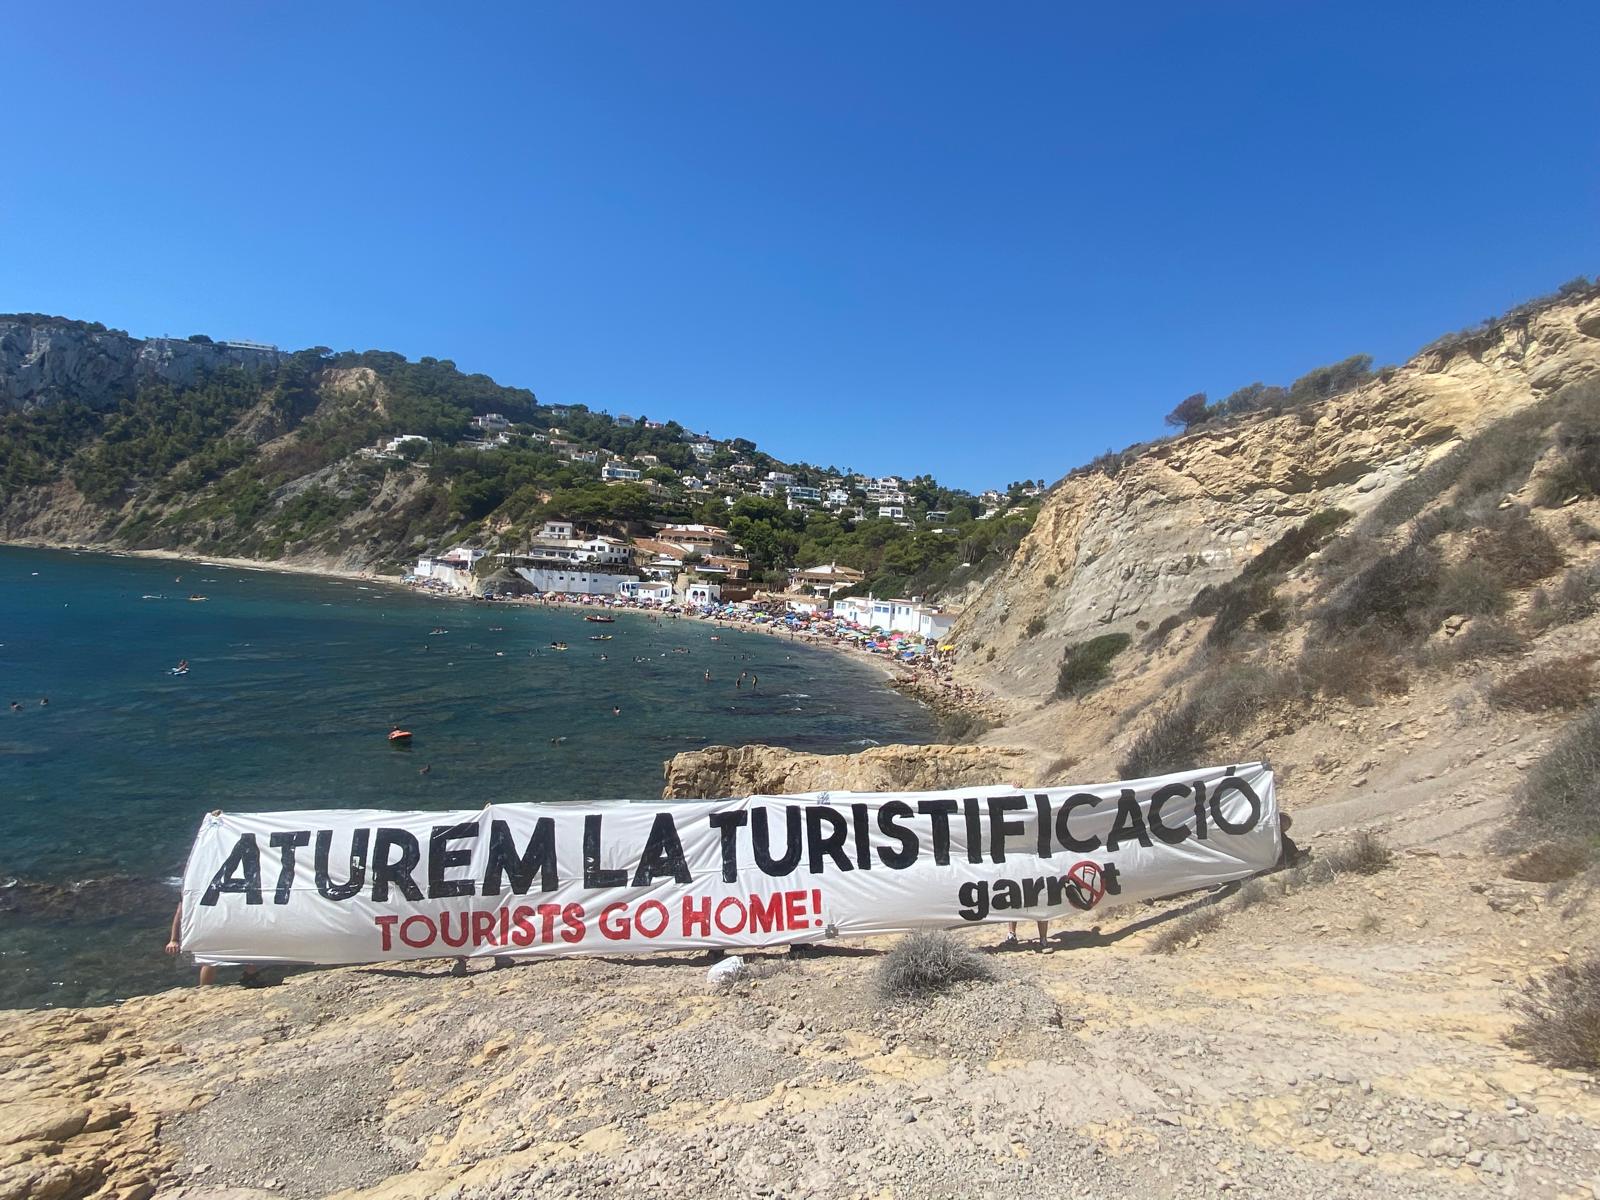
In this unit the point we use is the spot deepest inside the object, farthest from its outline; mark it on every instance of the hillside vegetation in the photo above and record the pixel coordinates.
(276, 463)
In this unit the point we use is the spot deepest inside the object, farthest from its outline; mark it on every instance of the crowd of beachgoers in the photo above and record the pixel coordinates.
(919, 666)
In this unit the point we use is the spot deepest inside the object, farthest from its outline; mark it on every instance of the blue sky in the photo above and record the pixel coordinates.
(988, 241)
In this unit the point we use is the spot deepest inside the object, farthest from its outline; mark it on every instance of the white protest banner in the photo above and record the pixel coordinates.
(527, 880)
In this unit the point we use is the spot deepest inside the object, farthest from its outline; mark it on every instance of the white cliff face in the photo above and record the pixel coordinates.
(1107, 552)
(45, 362)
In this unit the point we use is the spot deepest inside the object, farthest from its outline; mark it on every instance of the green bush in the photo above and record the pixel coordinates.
(963, 725)
(1035, 626)
(1087, 664)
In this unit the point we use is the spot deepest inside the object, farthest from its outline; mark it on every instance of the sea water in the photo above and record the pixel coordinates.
(293, 684)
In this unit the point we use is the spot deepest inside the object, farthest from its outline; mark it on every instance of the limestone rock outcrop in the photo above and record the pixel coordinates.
(768, 770)
(46, 361)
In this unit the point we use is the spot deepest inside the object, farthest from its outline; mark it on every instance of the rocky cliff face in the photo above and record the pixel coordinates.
(767, 770)
(1109, 551)
(47, 361)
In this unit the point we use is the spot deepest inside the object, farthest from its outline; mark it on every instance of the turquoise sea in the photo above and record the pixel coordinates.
(294, 682)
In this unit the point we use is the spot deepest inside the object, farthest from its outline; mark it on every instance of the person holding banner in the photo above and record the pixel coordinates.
(1044, 939)
(250, 977)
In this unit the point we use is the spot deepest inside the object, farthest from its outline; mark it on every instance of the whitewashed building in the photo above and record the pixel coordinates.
(896, 615)
(646, 591)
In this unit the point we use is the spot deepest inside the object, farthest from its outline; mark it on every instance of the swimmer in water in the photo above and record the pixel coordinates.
(615, 711)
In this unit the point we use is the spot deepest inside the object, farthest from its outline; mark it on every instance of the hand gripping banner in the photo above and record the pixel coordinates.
(530, 880)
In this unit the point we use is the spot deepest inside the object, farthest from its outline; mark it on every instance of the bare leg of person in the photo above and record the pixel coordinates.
(208, 974)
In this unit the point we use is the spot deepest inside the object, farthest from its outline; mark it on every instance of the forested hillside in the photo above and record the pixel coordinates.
(283, 460)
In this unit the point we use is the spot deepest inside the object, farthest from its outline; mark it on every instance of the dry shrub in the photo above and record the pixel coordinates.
(1294, 547)
(1174, 741)
(1561, 794)
(1058, 767)
(1367, 854)
(1576, 472)
(1487, 637)
(1577, 596)
(1163, 630)
(1470, 589)
(963, 725)
(1223, 701)
(1180, 931)
(1253, 893)
(1547, 687)
(1582, 531)
(923, 964)
(1517, 550)
(1550, 862)
(1561, 1016)
(1395, 592)
(1359, 670)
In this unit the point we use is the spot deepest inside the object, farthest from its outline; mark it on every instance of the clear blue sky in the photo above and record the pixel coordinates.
(986, 240)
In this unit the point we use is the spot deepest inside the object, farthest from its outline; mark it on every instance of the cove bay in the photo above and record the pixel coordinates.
(293, 683)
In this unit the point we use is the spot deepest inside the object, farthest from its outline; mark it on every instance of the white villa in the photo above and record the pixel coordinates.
(824, 580)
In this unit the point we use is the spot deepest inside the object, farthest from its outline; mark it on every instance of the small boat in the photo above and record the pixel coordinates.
(399, 736)
(177, 670)
(197, 597)
(558, 645)
(597, 619)
(599, 637)
(436, 630)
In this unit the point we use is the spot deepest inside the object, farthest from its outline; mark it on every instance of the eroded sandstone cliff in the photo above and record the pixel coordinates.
(1108, 551)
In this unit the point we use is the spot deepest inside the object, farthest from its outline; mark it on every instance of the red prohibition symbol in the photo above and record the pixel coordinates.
(1085, 885)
